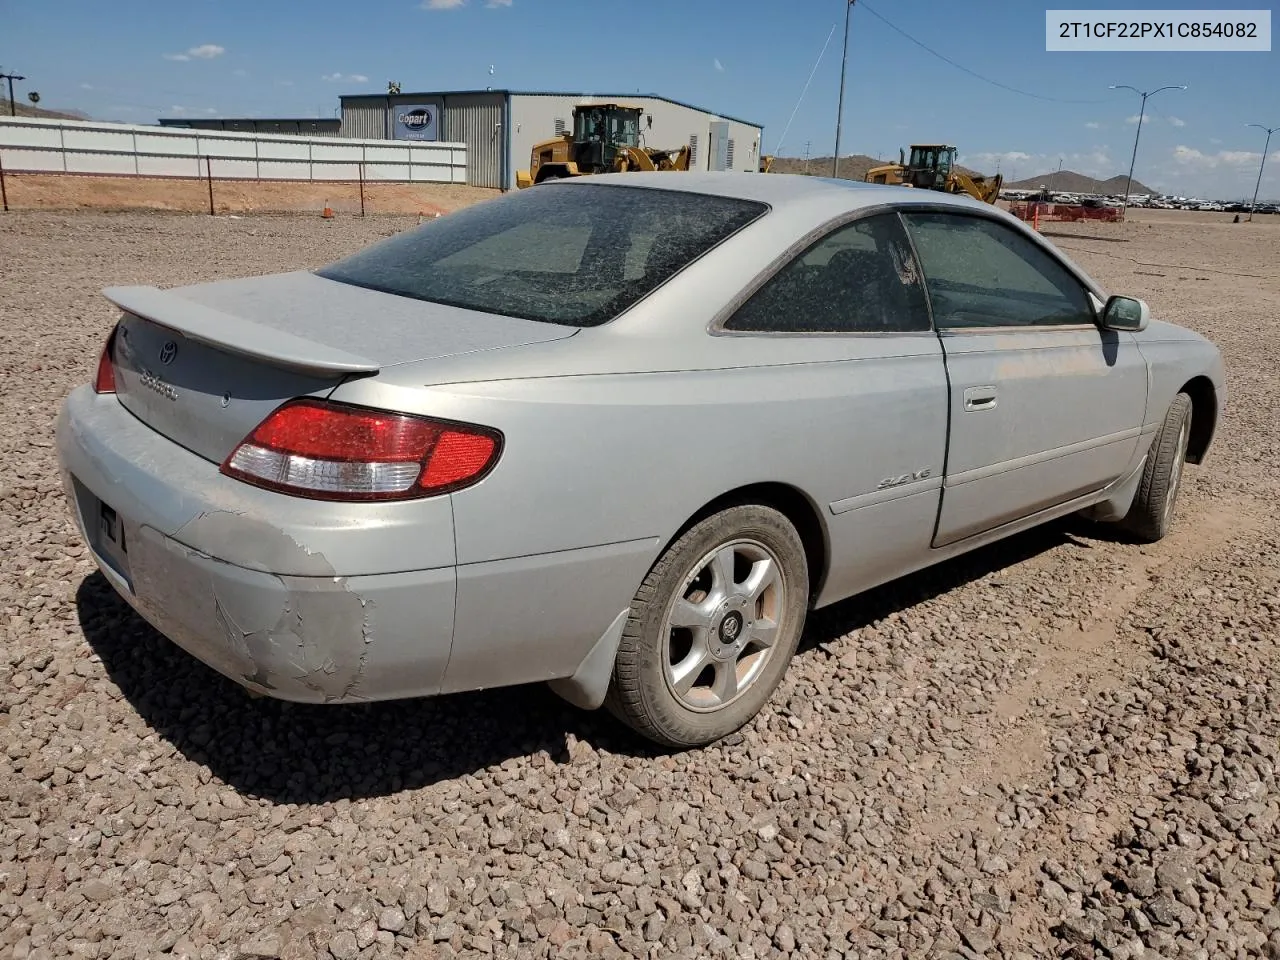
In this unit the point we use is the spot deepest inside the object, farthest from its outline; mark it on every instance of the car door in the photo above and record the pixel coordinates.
(855, 300)
(1046, 407)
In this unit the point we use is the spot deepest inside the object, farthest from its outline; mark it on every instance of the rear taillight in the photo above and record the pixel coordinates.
(332, 451)
(105, 381)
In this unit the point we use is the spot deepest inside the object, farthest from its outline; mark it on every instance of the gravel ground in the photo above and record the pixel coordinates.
(1062, 745)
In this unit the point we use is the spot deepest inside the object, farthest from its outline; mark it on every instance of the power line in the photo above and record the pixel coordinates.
(962, 67)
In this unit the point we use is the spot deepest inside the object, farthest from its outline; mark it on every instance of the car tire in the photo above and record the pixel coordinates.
(1151, 514)
(712, 628)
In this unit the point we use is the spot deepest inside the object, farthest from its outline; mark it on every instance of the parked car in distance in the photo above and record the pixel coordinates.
(618, 434)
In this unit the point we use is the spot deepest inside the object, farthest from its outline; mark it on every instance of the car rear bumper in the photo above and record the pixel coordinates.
(304, 600)
(288, 623)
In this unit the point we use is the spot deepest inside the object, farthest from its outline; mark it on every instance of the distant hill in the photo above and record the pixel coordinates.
(1068, 181)
(28, 110)
(852, 167)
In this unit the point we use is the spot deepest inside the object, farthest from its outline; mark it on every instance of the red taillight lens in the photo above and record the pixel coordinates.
(332, 451)
(105, 381)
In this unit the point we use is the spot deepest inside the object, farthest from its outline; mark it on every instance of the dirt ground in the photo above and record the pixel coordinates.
(36, 191)
(1062, 745)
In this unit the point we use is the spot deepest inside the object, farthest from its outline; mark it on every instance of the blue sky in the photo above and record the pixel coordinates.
(134, 60)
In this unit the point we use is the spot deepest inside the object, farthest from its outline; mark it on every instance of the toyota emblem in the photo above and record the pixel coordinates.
(168, 352)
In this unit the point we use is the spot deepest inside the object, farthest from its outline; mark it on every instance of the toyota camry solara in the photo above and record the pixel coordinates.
(618, 433)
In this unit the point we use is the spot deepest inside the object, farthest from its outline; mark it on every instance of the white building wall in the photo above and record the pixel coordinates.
(533, 119)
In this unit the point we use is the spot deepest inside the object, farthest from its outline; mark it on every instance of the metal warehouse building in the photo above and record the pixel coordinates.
(500, 127)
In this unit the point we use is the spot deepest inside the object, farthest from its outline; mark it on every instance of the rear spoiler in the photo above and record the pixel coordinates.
(235, 334)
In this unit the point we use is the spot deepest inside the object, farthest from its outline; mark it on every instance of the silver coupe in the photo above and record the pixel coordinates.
(619, 434)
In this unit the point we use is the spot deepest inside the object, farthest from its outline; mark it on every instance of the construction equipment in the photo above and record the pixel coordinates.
(932, 166)
(605, 139)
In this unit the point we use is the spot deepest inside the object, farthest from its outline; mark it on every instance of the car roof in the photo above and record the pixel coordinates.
(780, 188)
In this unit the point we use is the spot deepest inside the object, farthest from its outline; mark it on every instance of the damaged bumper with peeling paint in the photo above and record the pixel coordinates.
(344, 608)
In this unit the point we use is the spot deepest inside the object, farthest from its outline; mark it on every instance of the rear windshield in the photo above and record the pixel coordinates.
(573, 254)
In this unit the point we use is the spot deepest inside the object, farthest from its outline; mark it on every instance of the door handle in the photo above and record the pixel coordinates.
(977, 399)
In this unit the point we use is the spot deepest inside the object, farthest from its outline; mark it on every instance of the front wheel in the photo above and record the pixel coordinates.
(712, 628)
(1151, 515)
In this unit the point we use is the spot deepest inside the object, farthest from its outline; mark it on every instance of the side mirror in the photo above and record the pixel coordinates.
(1126, 313)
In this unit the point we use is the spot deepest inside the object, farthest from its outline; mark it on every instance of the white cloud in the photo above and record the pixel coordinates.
(718, 65)
(211, 110)
(991, 159)
(1135, 118)
(1093, 125)
(177, 108)
(1174, 121)
(344, 78)
(240, 73)
(457, 4)
(86, 86)
(206, 51)
(286, 83)
(1214, 140)
(1191, 157)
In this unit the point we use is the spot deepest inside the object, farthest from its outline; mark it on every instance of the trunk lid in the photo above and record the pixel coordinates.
(204, 365)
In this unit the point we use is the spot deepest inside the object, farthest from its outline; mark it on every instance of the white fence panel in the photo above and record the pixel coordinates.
(280, 150)
(284, 170)
(150, 165)
(122, 164)
(167, 144)
(41, 145)
(37, 161)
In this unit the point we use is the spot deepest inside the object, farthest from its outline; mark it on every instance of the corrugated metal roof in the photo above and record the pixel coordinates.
(549, 93)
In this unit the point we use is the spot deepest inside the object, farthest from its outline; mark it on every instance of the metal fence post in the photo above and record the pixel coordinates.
(208, 172)
(4, 193)
(361, 188)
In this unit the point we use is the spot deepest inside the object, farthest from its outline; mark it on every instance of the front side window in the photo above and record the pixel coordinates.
(861, 278)
(574, 254)
(981, 273)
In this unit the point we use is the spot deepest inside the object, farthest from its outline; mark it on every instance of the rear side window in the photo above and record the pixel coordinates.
(572, 254)
(861, 278)
(982, 273)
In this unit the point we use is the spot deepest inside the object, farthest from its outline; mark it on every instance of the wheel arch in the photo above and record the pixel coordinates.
(1204, 417)
(792, 503)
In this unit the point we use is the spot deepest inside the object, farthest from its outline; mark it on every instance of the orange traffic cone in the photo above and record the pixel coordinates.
(328, 211)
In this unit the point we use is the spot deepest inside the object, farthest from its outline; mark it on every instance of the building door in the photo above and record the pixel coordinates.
(718, 157)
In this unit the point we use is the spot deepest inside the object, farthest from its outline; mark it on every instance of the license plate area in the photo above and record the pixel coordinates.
(112, 541)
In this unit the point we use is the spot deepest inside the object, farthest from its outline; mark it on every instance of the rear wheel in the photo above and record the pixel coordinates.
(712, 628)
(1151, 515)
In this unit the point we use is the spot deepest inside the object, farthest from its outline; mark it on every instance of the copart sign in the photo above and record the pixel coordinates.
(415, 121)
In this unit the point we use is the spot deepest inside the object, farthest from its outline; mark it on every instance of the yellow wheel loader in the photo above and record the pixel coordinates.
(605, 139)
(933, 167)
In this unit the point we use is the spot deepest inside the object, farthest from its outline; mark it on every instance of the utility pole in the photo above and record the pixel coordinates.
(807, 144)
(835, 161)
(13, 111)
(1262, 165)
(1141, 115)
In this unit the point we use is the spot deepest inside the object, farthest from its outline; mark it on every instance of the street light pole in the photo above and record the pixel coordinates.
(835, 161)
(1141, 115)
(1262, 165)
